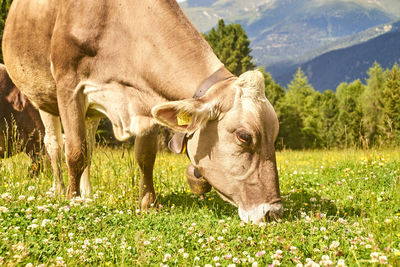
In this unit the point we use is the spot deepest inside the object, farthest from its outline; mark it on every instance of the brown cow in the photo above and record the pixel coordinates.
(142, 63)
(20, 124)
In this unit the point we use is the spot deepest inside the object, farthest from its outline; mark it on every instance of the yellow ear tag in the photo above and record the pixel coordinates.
(184, 118)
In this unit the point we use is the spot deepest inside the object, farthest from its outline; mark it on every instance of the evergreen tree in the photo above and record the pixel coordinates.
(391, 105)
(348, 126)
(302, 102)
(328, 115)
(231, 45)
(372, 105)
(4, 7)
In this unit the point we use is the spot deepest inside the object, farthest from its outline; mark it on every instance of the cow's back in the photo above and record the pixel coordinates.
(26, 50)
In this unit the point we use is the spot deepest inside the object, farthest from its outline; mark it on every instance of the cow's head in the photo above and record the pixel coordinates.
(232, 130)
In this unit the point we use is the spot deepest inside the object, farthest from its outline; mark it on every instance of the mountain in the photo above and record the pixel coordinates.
(348, 64)
(292, 30)
(285, 34)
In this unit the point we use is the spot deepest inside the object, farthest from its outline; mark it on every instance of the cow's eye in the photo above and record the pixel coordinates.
(244, 137)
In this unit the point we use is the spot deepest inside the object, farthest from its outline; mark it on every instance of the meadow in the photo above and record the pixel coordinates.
(342, 208)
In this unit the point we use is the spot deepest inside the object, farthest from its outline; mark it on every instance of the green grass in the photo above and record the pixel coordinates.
(339, 206)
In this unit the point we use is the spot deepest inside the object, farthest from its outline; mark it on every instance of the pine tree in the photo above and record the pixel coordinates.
(231, 45)
(372, 106)
(348, 126)
(328, 110)
(391, 105)
(302, 129)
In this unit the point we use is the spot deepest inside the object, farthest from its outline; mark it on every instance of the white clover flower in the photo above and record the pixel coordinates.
(276, 263)
(341, 263)
(21, 197)
(166, 257)
(334, 245)
(3, 210)
(185, 255)
(374, 256)
(382, 259)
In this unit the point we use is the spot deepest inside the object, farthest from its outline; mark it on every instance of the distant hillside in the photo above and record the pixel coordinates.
(347, 64)
(293, 30)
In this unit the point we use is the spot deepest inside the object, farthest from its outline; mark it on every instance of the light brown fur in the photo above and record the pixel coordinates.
(129, 61)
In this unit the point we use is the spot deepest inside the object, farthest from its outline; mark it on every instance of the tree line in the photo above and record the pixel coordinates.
(359, 114)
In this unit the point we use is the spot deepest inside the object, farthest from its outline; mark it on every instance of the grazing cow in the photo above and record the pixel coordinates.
(142, 63)
(20, 124)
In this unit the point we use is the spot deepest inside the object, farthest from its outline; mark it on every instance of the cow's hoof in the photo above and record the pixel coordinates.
(198, 185)
(147, 200)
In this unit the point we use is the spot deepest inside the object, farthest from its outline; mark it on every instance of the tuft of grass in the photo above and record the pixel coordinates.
(341, 208)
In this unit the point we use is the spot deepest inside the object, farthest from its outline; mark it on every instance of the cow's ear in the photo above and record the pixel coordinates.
(185, 116)
(17, 99)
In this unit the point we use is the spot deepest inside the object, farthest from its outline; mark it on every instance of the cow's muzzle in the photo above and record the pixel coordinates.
(261, 213)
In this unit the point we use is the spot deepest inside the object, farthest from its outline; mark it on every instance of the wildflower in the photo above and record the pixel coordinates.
(228, 256)
(33, 226)
(185, 255)
(260, 253)
(29, 265)
(334, 245)
(146, 243)
(224, 231)
(70, 252)
(220, 238)
(341, 263)
(382, 259)
(166, 257)
(60, 261)
(196, 258)
(277, 255)
(30, 198)
(374, 256)
(6, 196)
(254, 264)
(201, 240)
(31, 188)
(276, 263)
(293, 249)
(325, 261)
(21, 197)
(235, 260)
(3, 210)
(101, 255)
(181, 250)
(232, 265)
(216, 258)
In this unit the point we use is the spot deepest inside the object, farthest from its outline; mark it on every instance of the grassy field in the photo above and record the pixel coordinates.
(342, 208)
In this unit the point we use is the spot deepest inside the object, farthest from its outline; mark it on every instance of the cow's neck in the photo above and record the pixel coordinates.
(160, 47)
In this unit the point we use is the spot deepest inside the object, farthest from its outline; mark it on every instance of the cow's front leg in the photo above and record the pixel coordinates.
(53, 143)
(145, 154)
(71, 104)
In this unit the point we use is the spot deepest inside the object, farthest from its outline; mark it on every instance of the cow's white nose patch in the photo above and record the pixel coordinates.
(258, 213)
